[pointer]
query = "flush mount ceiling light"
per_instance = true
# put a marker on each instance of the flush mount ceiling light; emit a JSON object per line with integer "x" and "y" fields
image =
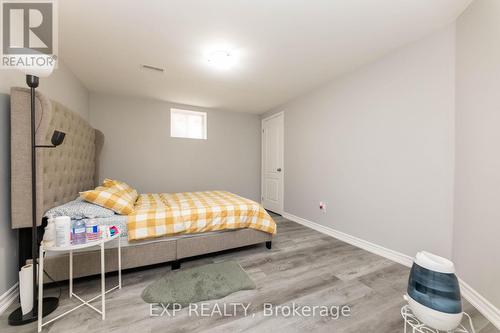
{"x": 221, "y": 59}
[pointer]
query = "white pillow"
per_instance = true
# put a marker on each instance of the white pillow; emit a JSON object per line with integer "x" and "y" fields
{"x": 79, "y": 209}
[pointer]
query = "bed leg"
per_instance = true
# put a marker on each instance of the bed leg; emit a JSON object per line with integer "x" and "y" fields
{"x": 269, "y": 244}
{"x": 176, "y": 265}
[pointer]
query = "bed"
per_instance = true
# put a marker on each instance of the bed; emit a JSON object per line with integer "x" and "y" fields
{"x": 66, "y": 171}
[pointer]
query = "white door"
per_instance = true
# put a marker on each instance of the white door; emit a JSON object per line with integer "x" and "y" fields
{"x": 272, "y": 163}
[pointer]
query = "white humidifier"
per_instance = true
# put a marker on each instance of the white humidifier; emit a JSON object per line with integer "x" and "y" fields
{"x": 434, "y": 292}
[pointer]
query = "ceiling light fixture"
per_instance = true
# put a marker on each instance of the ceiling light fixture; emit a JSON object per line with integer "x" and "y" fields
{"x": 221, "y": 59}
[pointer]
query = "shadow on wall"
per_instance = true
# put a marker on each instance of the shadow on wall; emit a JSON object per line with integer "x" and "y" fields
{"x": 8, "y": 237}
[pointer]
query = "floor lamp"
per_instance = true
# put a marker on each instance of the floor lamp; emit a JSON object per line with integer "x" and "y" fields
{"x": 49, "y": 303}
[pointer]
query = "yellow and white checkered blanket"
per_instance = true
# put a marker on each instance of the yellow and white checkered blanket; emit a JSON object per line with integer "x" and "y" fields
{"x": 163, "y": 214}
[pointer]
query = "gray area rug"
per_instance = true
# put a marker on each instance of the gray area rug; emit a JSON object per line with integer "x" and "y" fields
{"x": 203, "y": 283}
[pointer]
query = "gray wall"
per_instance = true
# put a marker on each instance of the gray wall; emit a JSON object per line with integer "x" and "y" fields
{"x": 377, "y": 146}
{"x": 138, "y": 148}
{"x": 62, "y": 86}
{"x": 477, "y": 196}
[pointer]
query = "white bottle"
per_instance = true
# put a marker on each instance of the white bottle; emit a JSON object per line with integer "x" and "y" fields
{"x": 63, "y": 230}
{"x": 49, "y": 236}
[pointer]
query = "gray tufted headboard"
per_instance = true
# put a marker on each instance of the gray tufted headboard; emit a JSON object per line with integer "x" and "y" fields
{"x": 63, "y": 171}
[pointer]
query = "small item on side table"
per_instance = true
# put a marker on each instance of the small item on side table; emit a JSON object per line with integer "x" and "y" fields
{"x": 79, "y": 232}
{"x": 113, "y": 230}
{"x": 108, "y": 231}
{"x": 49, "y": 236}
{"x": 92, "y": 229}
{"x": 102, "y": 231}
{"x": 63, "y": 230}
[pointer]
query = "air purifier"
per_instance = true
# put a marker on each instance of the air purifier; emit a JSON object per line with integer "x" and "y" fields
{"x": 434, "y": 292}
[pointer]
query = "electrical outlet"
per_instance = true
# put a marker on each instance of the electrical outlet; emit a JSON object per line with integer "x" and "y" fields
{"x": 322, "y": 206}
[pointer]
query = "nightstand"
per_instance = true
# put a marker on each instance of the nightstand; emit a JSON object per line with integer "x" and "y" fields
{"x": 100, "y": 243}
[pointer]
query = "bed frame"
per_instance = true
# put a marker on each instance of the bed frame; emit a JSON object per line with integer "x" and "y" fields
{"x": 73, "y": 167}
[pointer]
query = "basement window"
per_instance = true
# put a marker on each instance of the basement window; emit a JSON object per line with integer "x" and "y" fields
{"x": 188, "y": 124}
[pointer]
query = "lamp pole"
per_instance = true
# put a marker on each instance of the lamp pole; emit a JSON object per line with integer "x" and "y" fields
{"x": 32, "y": 82}
{"x": 17, "y": 318}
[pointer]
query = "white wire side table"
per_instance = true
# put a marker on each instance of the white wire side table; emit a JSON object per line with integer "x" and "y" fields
{"x": 103, "y": 293}
{"x": 413, "y": 325}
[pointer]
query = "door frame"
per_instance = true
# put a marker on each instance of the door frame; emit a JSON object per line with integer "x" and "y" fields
{"x": 263, "y": 120}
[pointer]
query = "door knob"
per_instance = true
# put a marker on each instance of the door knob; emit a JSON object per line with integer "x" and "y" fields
{"x": 279, "y": 170}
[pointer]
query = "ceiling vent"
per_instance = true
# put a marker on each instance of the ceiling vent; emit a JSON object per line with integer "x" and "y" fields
{"x": 153, "y": 68}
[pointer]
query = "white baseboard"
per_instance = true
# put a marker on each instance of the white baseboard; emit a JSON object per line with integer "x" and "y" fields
{"x": 9, "y": 297}
{"x": 398, "y": 257}
{"x": 488, "y": 310}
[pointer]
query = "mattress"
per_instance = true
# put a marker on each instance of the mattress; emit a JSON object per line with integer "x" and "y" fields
{"x": 160, "y": 214}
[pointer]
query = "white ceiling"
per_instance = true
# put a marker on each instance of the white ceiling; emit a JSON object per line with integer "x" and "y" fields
{"x": 285, "y": 47}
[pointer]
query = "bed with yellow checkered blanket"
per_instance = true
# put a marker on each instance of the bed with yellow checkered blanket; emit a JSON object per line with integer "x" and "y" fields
{"x": 166, "y": 214}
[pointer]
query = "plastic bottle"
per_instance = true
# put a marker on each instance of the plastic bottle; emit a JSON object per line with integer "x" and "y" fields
{"x": 78, "y": 232}
{"x": 92, "y": 229}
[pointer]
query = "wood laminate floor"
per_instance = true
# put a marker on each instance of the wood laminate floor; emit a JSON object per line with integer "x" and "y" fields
{"x": 304, "y": 267}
